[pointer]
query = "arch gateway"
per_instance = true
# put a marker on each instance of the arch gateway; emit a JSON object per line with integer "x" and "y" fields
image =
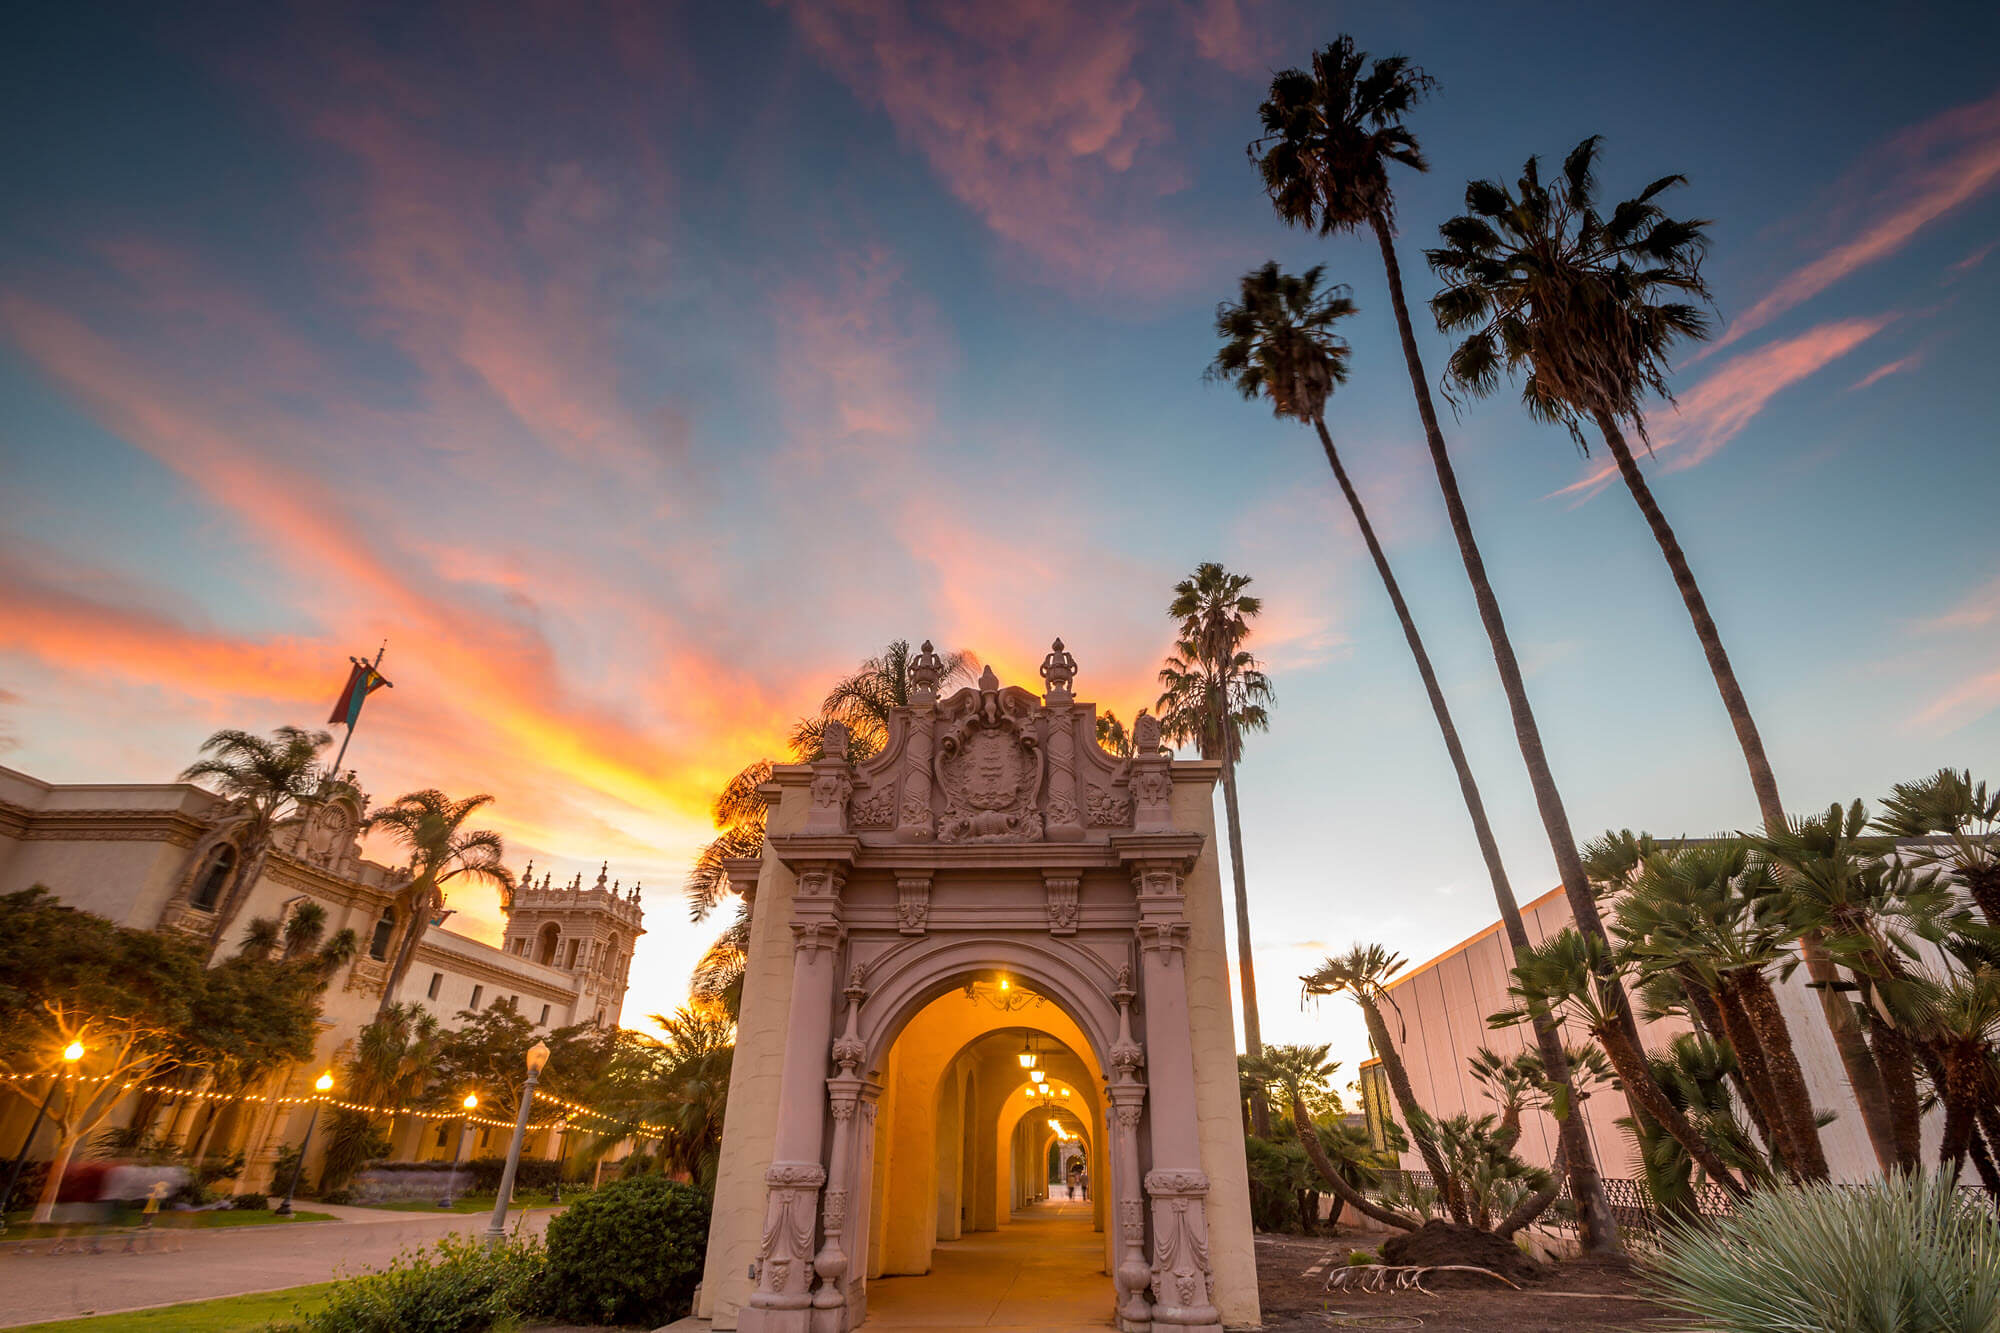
{"x": 991, "y": 915}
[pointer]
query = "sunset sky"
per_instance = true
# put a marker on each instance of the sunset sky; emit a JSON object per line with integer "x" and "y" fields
{"x": 636, "y": 369}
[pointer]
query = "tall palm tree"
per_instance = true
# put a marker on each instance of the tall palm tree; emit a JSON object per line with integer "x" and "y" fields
{"x": 1363, "y": 973}
{"x": 268, "y": 779}
{"x": 1212, "y": 691}
{"x": 432, "y": 827}
{"x": 1330, "y": 135}
{"x": 1279, "y": 342}
{"x": 1586, "y": 306}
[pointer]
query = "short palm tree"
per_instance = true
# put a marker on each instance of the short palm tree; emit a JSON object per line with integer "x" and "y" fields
{"x": 1330, "y": 135}
{"x": 1298, "y": 1074}
{"x": 864, "y": 699}
{"x": 267, "y": 779}
{"x": 1957, "y": 1016}
{"x": 1950, "y": 806}
{"x": 1572, "y": 974}
{"x": 431, "y": 826}
{"x": 1364, "y": 973}
{"x": 1212, "y": 690}
{"x": 1279, "y": 342}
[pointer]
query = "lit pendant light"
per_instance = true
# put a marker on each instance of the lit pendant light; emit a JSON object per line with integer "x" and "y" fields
{"x": 1027, "y": 1056}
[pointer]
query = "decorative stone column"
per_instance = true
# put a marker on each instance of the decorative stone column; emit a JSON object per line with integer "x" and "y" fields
{"x": 1064, "y": 811}
{"x": 844, "y": 1091}
{"x": 914, "y": 819}
{"x": 1126, "y": 1098}
{"x": 1176, "y": 1185}
{"x": 782, "y": 1302}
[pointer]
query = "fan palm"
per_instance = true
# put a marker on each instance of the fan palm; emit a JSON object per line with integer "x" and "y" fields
{"x": 1112, "y": 735}
{"x": 431, "y": 826}
{"x": 1586, "y": 305}
{"x": 1299, "y": 1073}
{"x": 1279, "y": 341}
{"x": 1364, "y": 972}
{"x": 1212, "y": 690}
{"x": 1572, "y": 974}
{"x": 1958, "y": 1017}
{"x": 1950, "y": 805}
{"x": 1717, "y": 918}
{"x": 1330, "y": 135}
{"x": 267, "y": 779}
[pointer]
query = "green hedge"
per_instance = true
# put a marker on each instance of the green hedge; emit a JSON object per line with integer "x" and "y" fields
{"x": 459, "y": 1286}
{"x": 629, "y": 1254}
{"x": 481, "y": 1175}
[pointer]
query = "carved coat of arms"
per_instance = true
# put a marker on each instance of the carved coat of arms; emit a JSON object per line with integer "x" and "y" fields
{"x": 989, "y": 766}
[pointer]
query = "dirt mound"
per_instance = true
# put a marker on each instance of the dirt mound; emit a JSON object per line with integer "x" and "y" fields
{"x": 1441, "y": 1242}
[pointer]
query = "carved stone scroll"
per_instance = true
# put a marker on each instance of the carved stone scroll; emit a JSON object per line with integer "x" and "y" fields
{"x": 913, "y": 903}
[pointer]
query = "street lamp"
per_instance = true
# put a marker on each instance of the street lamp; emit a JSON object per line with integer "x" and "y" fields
{"x": 538, "y": 1056}
{"x": 471, "y": 1103}
{"x": 320, "y": 1085}
{"x": 71, "y": 1054}
{"x": 562, "y": 1159}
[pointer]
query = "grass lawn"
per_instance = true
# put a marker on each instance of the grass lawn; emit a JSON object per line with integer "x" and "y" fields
{"x": 20, "y": 1228}
{"x": 219, "y": 1316}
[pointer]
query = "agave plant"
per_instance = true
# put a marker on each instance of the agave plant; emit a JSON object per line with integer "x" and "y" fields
{"x": 1902, "y": 1254}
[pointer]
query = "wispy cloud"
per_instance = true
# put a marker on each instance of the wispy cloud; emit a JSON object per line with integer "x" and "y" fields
{"x": 1888, "y": 368}
{"x": 1909, "y": 182}
{"x": 1033, "y": 116}
{"x": 1728, "y": 398}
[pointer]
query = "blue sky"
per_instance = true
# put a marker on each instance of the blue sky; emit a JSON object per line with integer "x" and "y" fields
{"x": 636, "y": 369}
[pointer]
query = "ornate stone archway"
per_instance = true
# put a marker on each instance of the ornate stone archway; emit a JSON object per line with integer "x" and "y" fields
{"x": 991, "y": 838}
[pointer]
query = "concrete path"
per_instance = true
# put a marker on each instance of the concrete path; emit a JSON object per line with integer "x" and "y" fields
{"x": 1041, "y": 1273}
{"x": 230, "y": 1261}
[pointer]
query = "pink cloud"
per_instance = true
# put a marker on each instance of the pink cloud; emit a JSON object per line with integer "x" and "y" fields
{"x": 1033, "y": 117}
{"x": 1980, "y": 607}
{"x": 1716, "y": 409}
{"x": 1932, "y": 168}
{"x": 1228, "y": 33}
{"x": 1888, "y": 368}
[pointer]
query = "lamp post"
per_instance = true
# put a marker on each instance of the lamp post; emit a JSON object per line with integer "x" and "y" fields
{"x": 496, "y": 1230}
{"x": 320, "y": 1085}
{"x": 71, "y": 1054}
{"x": 562, "y": 1159}
{"x": 471, "y": 1103}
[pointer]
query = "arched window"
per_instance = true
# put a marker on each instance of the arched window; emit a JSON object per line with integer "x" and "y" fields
{"x": 545, "y": 951}
{"x": 214, "y": 877}
{"x": 378, "y": 947}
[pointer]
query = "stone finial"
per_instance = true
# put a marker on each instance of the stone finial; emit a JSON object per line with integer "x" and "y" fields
{"x": 528, "y": 876}
{"x": 926, "y": 670}
{"x": 833, "y": 740}
{"x": 603, "y": 871}
{"x": 1058, "y": 671}
{"x": 1146, "y": 733}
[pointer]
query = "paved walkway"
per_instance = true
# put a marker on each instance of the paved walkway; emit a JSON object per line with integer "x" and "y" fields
{"x": 228, "y": 1261}
{"x": 1041, "y": 1273}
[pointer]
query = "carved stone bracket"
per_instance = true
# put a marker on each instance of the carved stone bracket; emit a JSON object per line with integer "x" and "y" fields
{"x": 913, "y": 903}
{"x": 1163, "y": 920}
{"x": 1062, "y": 892}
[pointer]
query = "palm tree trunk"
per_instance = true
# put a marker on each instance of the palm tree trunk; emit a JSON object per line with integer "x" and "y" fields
{"x": 1861, "y": 1071}
{"x": 1964, "y": 1075}
{"x": 1599, "y": 1230}
{"x": 1898, "y": 1063}
{"x": 1346, "y": 1193}
{"x": 1641, "y": 1086}
{"x": 1534, "y": 1205}
{"x": 406, "y": 951}
{"x": 1761, "y": 1100}
{"x": 1706, "y": 1016}
{"x": 1548, "y": 800}
{"x": 1253, "y": 1037}
{"x": 1415, "y": 1118}
{"x": 1788, "y": 1080}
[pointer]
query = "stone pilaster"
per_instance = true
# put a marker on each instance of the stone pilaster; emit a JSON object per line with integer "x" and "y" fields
{"x": 844, "y": 1093}
{"x": 1126, "y": 1097}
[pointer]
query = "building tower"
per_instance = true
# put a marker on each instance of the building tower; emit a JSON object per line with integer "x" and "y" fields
{"x": 587, "y": 932}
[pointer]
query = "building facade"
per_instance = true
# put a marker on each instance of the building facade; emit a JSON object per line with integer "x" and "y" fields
{"x": 172, "y": 857}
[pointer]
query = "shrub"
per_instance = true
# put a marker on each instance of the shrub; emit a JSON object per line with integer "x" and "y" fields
{"x": 1906, "y": 1253}
{"x": 629, "y": 1254}
{"x": 254, "y": 1202}
{"x": 460, "y": 1286}
{"x": 1362, "y": 1258}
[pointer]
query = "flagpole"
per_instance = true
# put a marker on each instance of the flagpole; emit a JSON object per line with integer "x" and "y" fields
{"x": 334, "y": 773}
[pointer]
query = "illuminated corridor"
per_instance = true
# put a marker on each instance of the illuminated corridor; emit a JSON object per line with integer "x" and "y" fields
{"x": 1040, "y": 1273}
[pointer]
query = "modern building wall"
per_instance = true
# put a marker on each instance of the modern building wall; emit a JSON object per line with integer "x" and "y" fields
{"x": 1437, "y": 1020}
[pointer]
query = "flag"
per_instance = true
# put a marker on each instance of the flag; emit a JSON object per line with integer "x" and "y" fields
{"x": 362, "y": 681}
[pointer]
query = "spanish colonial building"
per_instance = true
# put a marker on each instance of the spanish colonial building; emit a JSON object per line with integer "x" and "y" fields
{"x": 171, "y": 857}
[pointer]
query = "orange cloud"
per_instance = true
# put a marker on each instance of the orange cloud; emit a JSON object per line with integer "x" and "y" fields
{"x": 1033, "y": 117}
{"x": 1716, "y": 410}
{"x": 1934, "y": 167}
{"x": 1888, "y": 368}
